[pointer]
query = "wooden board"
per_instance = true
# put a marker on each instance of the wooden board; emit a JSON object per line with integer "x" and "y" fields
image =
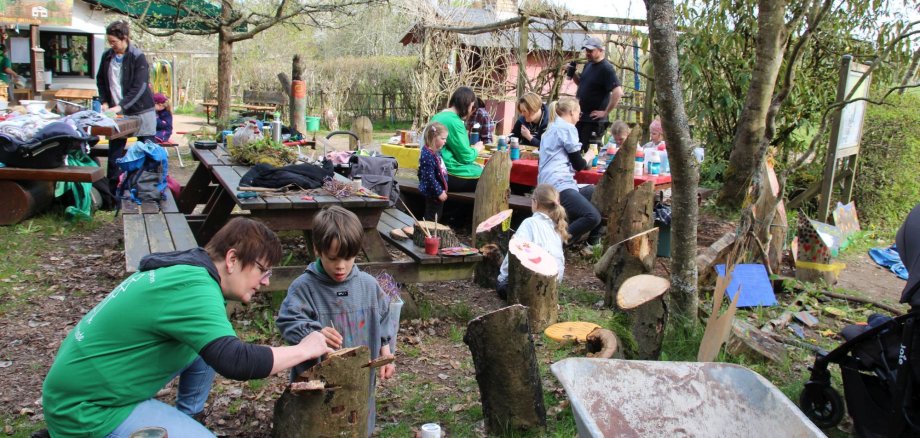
{"x": 63, "y": 173}
{"x": 570, "y": 330}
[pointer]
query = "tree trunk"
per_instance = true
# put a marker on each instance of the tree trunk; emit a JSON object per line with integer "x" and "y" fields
{"x": 522, "y": 51}
{"x": 635, "y": 256}
{"x": 684, "y": 167}
{"x": 492, "y": 237}
{"x": 911, "y": 71}
{"x": 338, "y": 404}
{"x": 363, "y": 127}
{"x": 298, "y": 96}
{"x": 506, "y": 370}
{"x": 532, "y": 274}
{"x": 447, "y": 236}
{"x": 224, "y": 73}
{"x": 615, "y": 185}
{"x": 492, "y": 191}
{"x": 745, "y": 158}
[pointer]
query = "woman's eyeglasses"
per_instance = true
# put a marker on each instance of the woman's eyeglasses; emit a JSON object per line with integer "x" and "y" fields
{"x": 266, "y": 273}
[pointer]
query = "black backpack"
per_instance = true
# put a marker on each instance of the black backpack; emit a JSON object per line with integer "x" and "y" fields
{"x": 377, "y": 174}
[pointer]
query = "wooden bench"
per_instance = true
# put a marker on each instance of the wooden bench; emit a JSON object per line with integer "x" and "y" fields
{"x": 24, "y": 192}
{"x": 254, "y": 103}
{"x": 154, "y": 227}
{"x": 515, "y": 202}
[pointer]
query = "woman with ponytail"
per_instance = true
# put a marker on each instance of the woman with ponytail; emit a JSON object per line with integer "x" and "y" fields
{"x": 547, "y": 228}
{"x": 560, "y": 158}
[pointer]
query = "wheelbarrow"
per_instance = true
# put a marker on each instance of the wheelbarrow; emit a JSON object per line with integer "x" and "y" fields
{"x": 625, "y": 398}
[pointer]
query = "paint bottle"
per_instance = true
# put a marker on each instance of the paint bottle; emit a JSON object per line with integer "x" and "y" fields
{"x": 654, "y": 164}
{"x": 639, "y": 169}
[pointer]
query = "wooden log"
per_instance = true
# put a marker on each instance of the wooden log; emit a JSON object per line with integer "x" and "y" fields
{"x": 298, "y": 95}
{"x": 616, "y": 184}
{"x": 634, "y": 256}
{"x": 340, "y": 408}
{"x": 713, "y": 255}
{"x": 747, "y": 340}
{"x": 493, "y": 189}
{"x": 495, "y": 230}
{"x": 363, "y": 127}
{"x": 24, "y": 199}
{"x": 532, "y": 273}
{"x": 509, "y": 381}
{"x": 486, "y": 271}
{"x": 603, "y": 344}
{"x": 642, "y": 298}
{"x": 448, "y": 238}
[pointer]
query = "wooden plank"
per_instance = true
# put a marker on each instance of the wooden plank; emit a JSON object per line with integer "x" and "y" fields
{"x": 180, "y": 231}
{"x": 168, "y": 205}
{"x": 158, "y": 233}
{"x": 148, "y": 207}
{"x": 403, "y": 271}
{"x": 126, "y": 128}
{"x": 196, "y": 191}
{"x": 136, "y": 245}
{"x": 130, "y": 207}
{"x": 230, "y": 180}
{"x": 63, "y": 173}
{"x": 374, "y": 248}
{"x": 516, "y": 202}
{"x": 277, "y": 202}
{"x": 298, "y": 202}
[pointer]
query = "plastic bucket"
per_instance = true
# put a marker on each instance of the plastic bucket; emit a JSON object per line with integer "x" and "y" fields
{"x": 312, "y": 123}
{"x": 395, "y": 309}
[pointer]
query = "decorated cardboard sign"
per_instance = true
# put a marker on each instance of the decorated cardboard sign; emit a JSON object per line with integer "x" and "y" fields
{"x": 503, "y": 217}
{"x": 818, "y": 242}
{"x": 846, "y": 220}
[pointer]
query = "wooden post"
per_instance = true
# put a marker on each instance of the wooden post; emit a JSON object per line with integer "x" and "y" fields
{"x": 329, "y": 399}
{"x": 642, "y": 298}
{"x": 298, "y": 96}
{"x": 522, "y": 51}
{"x": 634, "y": 256}
{"x": 493, "y": 189}
{"x": 532, "y": 273}
{"x": 506, "y": 369}
{"x": 492, "y": 235}
{"x": 363, "y": 127}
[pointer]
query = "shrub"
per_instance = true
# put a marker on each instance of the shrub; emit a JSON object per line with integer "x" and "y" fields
{"x": 886, "y": 185}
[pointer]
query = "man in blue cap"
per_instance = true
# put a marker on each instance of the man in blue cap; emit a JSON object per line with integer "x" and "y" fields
{"x": 599, "y": 91}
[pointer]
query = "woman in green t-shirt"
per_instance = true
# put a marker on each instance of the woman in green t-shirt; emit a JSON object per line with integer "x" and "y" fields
{"x": 459, "y": 156}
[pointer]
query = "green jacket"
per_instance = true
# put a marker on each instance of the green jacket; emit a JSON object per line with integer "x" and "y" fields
{"x": 459, "y": 157}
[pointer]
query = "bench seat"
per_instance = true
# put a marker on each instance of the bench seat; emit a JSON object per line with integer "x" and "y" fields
{"x": 393, "y": 218}
{"x": 25, "y": 192}
{"x": 515, "y": 202}
{"x": 154, "y": 227}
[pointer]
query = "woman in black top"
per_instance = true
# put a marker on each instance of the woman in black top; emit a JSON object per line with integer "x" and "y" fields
{"x": 529, "y": 128}
{"x": 123, "y": 85}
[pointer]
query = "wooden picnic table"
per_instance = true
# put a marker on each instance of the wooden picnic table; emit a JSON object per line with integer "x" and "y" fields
{"x": 24, "y": 192}
{"x": 279, "y": 212}
{"x": 208, "y": 106}
{"x": 126, "y": 128}
{"x": 524, "y": 172}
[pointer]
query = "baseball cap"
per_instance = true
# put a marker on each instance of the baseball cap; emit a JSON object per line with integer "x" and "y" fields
{"x": 593, "y": 43}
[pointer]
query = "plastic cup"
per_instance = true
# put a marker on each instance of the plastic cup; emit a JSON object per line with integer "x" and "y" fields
{"x": 431, "y": 430}
{"x": 474, "y": 137}
{"x": 432, "y": 244}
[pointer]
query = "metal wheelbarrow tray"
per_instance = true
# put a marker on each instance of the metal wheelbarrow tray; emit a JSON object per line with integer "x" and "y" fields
{"x": 624, "y": 398}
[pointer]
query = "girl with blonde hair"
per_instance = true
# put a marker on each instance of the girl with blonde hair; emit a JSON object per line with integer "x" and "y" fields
{"x": 560, "y": 158}
{"x": 547, "y": 228}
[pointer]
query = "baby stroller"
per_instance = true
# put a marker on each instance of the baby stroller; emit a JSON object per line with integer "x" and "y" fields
{"x": 879, "y": 363}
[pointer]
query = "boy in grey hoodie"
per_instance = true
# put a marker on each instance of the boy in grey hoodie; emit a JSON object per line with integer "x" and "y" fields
{"x": 337, "y": 299}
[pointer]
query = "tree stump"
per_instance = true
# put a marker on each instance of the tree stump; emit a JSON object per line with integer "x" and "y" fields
{"x": 616, "y": 184}
{"x": 329, "y": 399}
{"x": 532, "y": 273}
{"x": 24, "y": 199}
{"x": 492, "y": 235}
{"x": 637, "y": 255}
{"x": 493, "y": 189}
{"x": 485, "y": 274}
{"x": 448, "y": 238}
{"x": 642, "y": 298}
{"x": 603, "y": 344}
{"x": 363, "y": 127}
{"x": 506, "y": 370}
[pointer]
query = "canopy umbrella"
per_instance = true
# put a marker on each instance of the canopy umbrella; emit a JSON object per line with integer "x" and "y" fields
{"x": 181, "y": 14}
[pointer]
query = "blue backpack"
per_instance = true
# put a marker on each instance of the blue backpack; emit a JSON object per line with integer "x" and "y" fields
{"x": 145, "y": 166}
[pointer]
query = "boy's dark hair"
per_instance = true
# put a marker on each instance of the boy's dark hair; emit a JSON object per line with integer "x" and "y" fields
{"x": 461, "y": 100}
{"x": 336, "y": 224}
{"x": 118, "y": 29}
{"x": 251, "y": 239}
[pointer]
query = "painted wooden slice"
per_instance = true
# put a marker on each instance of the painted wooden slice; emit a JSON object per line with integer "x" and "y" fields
{"x": 493, "y": 221}
{"x": 570, "y": 330}
{"x": 534, "y": 257}
{"x": 398, "y": 234}
{"x": 458, "y": 251}
{"x": 640, "y": 289}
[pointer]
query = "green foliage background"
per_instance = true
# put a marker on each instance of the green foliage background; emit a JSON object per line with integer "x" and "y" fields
{"x": 887, "y": 186}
